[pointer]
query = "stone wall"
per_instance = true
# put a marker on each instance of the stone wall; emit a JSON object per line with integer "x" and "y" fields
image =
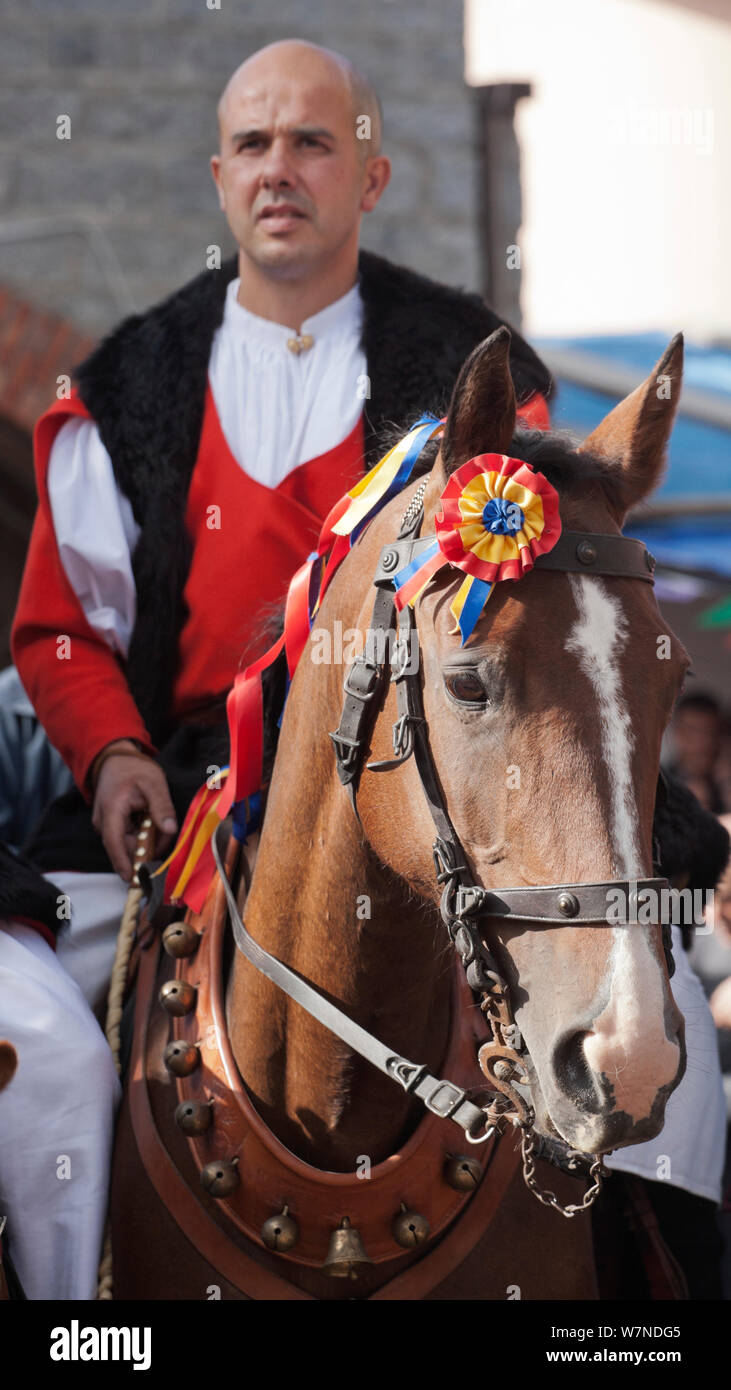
{"x": 118, "y": 215}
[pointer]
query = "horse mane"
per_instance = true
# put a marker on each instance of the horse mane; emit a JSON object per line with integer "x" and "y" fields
{"x": 551, "y": 452}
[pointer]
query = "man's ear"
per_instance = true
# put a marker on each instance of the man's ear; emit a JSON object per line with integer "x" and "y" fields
{"x": 634, "y": 436}
{"x": 216, "y": 172}
{"x": 379, "y": 177}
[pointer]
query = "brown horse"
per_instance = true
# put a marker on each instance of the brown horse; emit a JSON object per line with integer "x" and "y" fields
{"x": 545, "y": 732}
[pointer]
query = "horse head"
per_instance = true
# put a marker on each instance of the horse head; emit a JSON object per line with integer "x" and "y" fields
{"x": 545, "y": 730}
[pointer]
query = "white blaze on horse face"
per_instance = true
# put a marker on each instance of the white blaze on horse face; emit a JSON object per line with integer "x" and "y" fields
{"x": 631, "y": 1027}
{"x": 597, "y": 638}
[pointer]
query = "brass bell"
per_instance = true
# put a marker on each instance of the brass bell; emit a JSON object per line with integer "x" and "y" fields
{"x": 180, "y": 939}
{"x": 280, "y": 1232}
{"x": 177, "y": 997}
{"x": 410, "y": 1229}
{"x": 181, "y": 1058}
{"x": 194, "y": 1116}
{"x": 346, "y": 1257}
{"x": 462, "y": 1173}
{"x": 220, "y": 1177}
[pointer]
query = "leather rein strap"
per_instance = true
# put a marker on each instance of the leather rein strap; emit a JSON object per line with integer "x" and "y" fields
{"x": 444, "y": 1099}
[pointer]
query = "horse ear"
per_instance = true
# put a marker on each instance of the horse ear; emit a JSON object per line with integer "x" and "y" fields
{"x": 634, "y": 436}
{"x": 481, "y": 416}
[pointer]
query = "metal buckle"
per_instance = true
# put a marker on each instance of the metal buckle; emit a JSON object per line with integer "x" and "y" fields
{"x": 468, "y": 902}
{"x": 362, "y": 663}
{"x": 453, "y": 1098}
{"x": 401, "y": 657}
{"x": 445, "y": 864}
{"x": 346, "y": 749}
{"x": 403, "y": 734}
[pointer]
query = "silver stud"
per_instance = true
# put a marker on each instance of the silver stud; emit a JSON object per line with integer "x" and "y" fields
{"x": 586, "y": 552}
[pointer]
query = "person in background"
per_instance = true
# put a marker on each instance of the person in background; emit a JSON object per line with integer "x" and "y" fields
{"x": 696, "y": 743}
{"x": 32, "y": 771}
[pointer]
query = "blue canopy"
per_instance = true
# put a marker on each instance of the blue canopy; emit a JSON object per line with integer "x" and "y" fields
{"x": 699, "y": 455}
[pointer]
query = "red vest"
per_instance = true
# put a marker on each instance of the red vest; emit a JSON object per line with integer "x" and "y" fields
{"x": 244, "y": 555}
{"x": 248, "y": 540}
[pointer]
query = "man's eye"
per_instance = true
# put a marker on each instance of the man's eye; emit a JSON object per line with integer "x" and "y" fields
{"x": 466, "y": 687}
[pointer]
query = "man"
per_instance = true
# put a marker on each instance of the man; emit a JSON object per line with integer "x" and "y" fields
{"x": 696, "y": 743}
{"x": 179, "y": 489}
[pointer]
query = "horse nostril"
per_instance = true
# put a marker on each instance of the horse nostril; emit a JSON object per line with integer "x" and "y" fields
{"x": 573, "y": 1073}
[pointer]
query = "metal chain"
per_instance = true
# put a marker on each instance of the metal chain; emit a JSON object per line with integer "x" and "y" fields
{"x": 501, "y": 1058}
{"x": 414, "y": 506}
{"x": 549, "y": 1199}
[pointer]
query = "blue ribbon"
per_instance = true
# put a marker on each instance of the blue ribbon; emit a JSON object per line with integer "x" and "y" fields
{"x": 415, "y": 564}
{"x": 479, "y": 593}
{"x": 502, "y": 517}
{"x": 247, "y": 816}
{"x": 405, "y": 469}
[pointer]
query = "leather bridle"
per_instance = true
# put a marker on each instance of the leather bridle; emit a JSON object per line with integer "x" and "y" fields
{"x": 464, "y": 903}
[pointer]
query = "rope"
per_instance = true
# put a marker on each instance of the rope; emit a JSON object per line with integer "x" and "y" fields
{"x": 115, "y": 1006}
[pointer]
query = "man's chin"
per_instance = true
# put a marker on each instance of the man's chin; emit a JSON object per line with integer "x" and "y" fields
{"x": 281, "y": 253}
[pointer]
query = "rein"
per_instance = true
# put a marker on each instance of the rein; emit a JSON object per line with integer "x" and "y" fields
{"x": 464, "y": 903}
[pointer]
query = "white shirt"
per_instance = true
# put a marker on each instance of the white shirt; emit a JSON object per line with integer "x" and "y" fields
{"x": 690, "y": 1148}
{"x": 277, "y": 410}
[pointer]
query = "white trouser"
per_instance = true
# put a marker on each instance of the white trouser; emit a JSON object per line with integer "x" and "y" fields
{"x": 689, "y": 1150}
{"x": 57, "y": 1114}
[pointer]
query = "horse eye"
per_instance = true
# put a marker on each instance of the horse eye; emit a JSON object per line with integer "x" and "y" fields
{"x": 466, "y": 687}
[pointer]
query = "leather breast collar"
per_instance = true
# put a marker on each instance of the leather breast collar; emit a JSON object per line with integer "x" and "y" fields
{"x": 250, "y": 1177}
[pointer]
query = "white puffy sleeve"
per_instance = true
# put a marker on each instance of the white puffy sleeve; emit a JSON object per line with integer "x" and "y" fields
{"x": 95, "y": 530}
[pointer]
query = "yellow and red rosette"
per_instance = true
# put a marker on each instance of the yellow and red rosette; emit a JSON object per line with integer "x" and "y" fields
{"x": 495, "y": 516}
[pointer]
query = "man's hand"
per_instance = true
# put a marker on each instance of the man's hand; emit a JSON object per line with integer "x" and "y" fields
{"x": 129, "y": 785}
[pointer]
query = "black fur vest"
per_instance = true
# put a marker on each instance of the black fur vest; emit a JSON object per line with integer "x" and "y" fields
{"x": 145, "y": 387}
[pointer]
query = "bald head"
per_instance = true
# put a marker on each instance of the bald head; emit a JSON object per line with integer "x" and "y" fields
{"x": 303, "y": 60}
{"x": 299, "y": 164}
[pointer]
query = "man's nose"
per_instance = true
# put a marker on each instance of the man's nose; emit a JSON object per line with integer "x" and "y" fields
{"x": 277, "y": 167}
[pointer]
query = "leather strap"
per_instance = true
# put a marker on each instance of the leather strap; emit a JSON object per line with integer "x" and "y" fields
{"x": 560, "y": 904}
{"x": 585, "y": 552}
{"x": 363, "y": 682}
{"x": 581, "y": 552}
{"x": 443, "y": 1098}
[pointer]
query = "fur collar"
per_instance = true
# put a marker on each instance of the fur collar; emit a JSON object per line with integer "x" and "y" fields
{"x": 145, "y": 387}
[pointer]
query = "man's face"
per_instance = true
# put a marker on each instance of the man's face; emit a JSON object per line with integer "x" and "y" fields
{"x": 290, "y": 175}
{"x": 696, "y": 736}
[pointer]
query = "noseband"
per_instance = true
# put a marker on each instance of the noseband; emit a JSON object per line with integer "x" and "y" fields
{"x": 464, "y": 903}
